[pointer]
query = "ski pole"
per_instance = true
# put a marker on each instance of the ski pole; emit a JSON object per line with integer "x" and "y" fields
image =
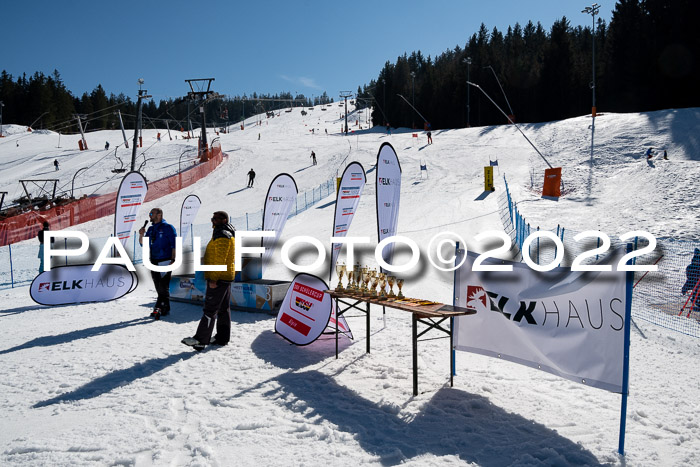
{"x": 690, "y": 296}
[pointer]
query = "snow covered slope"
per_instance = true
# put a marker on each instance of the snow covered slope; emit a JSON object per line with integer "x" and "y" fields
{"x": 101, "y": 384}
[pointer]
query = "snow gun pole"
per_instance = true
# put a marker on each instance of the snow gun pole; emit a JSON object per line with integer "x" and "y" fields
{"x": 413, "y": 108}
{"x": 511, "y": 121}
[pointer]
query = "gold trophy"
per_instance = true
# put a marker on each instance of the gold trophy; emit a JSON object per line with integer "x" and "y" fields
{"x": 382, "y": 286}
{"x": 366, "y": 277}
{"x": 390, "y": 280}
{"x": 340, "y": 269}
{"x": 351, "y": 276}
{"x": 375, "y": 282}
{"x": 363, "y": 274}
{"x": 399, "y": 284}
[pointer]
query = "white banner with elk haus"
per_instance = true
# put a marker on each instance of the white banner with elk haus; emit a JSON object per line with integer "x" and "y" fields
{"x": 570, "y": 324}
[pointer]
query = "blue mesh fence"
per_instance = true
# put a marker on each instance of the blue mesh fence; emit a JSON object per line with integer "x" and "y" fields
{"x": 669, "y": 297}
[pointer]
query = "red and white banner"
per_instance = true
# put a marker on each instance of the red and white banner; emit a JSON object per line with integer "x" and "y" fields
{"x": 348, "y": 197}
{"x": 188, "y": 212}
{"x": 65, "y": 285}
{"x": 281, "y": 196}
{"x": 131, "y": 194}
{"x": 305, "y": 311}
{"x": 571, "y": 324}
{"x": 388, "y": 196}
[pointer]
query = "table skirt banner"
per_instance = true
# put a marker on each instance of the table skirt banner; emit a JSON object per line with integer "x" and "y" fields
{"x": 570, "y": 324}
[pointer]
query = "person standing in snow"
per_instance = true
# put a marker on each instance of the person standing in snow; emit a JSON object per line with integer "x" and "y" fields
{"x": 161, "y": 240}
{"x": 251, "y": 178}
{"x": 55, "y": 164}
{"x": 217, "y": 300}
{"x": 106, "y": 145}
{"x": 665, "y": 155}
{"x": 650, "y": 153}
{"x": 313, "y": 158}
{"x": 40, "y": 236}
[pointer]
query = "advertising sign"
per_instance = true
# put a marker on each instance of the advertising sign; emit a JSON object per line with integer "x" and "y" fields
{"x": 281, "y": 196}
{"x": 305, "y": 310}
{"x": 131, "y": 194}
{"x": 65, "y": 285}
{"x": 388, "y": 196}
{"x": 348, "y": 197}
{"x": 571, "y": 324}
{"x": 188, "y": 212}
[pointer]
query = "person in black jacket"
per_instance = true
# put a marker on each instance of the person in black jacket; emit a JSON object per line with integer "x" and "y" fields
{"x": 251, "y": 178}
{"x": 40, "y": 236}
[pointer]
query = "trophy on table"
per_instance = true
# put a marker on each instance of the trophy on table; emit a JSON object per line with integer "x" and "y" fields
{"x": 375, "y": 282}
{"x": 351, "y": 276}
{"x": 382, "y": 286}
{"x": 399, "y": 283}
{"x": 340, "y": 269}
{"x": 390, "y": 280}
{"x": 366, "y": 277}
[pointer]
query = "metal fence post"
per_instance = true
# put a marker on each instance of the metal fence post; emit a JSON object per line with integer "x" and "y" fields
{"x": 246, "y": 221}
{"x": 538, "y": 246}
{"x": 65, "y": 245}
{"x": 12, "y": 275}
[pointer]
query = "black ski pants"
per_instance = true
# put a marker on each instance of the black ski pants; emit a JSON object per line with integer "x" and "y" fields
{"x": 217, "y": 311}
{"x": 162, "y": 285}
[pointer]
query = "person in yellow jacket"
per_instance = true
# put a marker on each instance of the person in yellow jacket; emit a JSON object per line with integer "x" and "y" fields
{"x": 217, "y": 309}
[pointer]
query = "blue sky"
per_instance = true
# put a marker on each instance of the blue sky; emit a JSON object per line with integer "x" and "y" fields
{"x": 254, "y": 46}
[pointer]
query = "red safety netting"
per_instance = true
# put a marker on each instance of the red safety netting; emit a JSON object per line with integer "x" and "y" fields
{"x": 26, "y": 225}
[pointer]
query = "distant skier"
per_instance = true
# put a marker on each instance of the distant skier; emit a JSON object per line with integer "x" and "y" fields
{"x": 55, "y": 164}
{"x": 251, "y": 178}
{"x": 313, "y": 158}
{"x": 106, "y": 145}
{"x": 650, "y": 153}
{"x": 665, "y": 155}
{"x": 430, "y": 137}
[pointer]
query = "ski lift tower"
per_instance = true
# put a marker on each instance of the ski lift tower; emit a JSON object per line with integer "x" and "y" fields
{"x": 202, "y": 93}
{"x": 143, "y": 94}
{"x": 345, "y": 95}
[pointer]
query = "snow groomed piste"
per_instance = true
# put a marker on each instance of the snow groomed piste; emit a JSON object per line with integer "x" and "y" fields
{"x": 368, "y": 392}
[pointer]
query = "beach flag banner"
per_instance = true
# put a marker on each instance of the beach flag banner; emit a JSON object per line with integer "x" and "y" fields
{"x": 348, "y": 197}
{"x": 130, "y": 197}
{"x": 188, "y": 212}
{"x": 388, "y": 196}
{"x": 281, "y": 196}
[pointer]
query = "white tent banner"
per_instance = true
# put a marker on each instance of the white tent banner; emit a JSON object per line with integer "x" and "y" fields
{"x": 130, "y": 197}
{"x": 190, "y": 208}
{"x": 65, "y": 285}
{"x": 388, "y": 196}
{"x": 348, "y": 197}
{"x": 305, "y": 310}
{"x": 571, "y": 324}
{"x": 281, "y": 196}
